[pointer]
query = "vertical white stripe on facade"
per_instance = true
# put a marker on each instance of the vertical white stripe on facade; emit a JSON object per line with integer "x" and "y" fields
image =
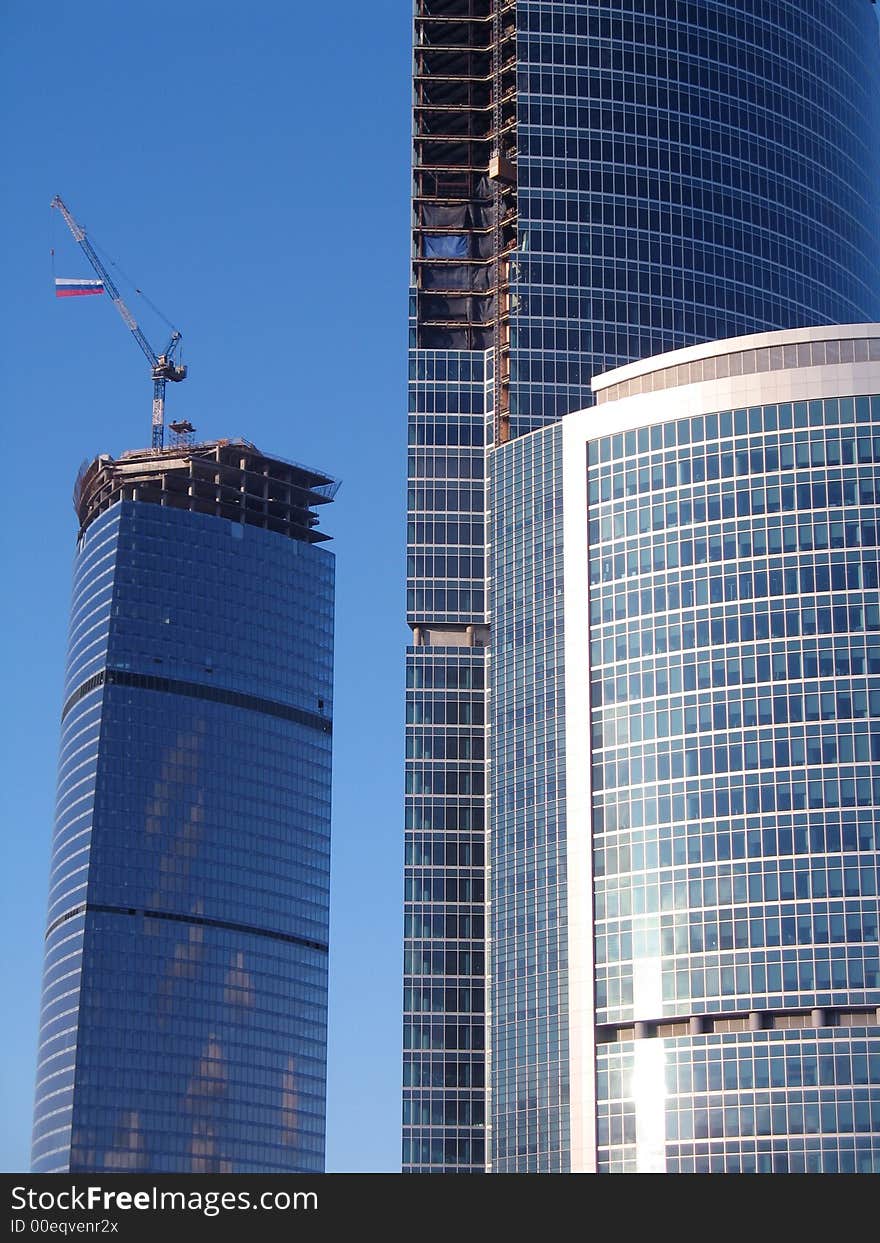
{"x": 578, "y": 795}
{"x": 649, "y": 1096}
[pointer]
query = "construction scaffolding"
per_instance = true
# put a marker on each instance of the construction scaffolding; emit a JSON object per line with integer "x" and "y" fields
{"x": 464, "y": 196}
{"x": 226, "y": 478}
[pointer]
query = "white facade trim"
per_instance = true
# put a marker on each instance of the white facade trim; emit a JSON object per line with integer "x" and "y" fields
{"x": 733, "y": 345}
{"x": 732, "y": 393}
{"x": 578, "y": 796}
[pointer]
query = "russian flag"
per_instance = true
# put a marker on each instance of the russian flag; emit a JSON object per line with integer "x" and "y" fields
{"x": 65, "y": 288}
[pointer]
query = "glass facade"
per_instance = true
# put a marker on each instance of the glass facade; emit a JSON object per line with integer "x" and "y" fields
{"x": 445, "y": 922}
{"x": 594, "y": 184}
{"x": 685, "y": 832}
{"x": 735, "y": 692}
{"x": 527, "y": 854}
{"x": 444, "y": 1036}
{"x": 780, "y": 1102}
{"x": 687, "y": 172}
{"x": 184, "y": 1010}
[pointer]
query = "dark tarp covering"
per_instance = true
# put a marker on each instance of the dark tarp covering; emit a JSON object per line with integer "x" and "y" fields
{"x": 484, "y": 277}
{"x": 483, "y": 205}
{"x": 479, "y": 310}
{"x": 434, "y": 306}
{"x": 479, "y": 277}
{"x": 449, "y": 276}
{"x": 482, "y": 338}
{"x": 444, "y": 215}
{"x": 444, "y": 339}
{"x": 443, "y": 8}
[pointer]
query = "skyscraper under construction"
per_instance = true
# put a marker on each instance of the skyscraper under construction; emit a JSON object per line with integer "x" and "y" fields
{"x": 593, "y": 184}
{"x": 184, "y": 1012}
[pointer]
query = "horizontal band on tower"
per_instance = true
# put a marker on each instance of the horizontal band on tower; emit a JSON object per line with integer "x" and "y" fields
{"x": 197, "y": 690}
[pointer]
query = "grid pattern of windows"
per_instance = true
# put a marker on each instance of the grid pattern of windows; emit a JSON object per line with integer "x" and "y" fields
{"x": 444, "y": 1061}
{"x": 185, "y": 985}
{"x": 780, "y": 1102}
{"x": 444, "y": 922}
{"x": 687, "y": 172}
{"x": 682, "y": 172}
{"x": 529, "y": 927}
{"x": 446, "y": 571}
{"x": 735, "y": 691}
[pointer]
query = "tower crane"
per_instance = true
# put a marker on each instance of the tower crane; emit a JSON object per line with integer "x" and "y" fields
{"x": 162, "y": 366}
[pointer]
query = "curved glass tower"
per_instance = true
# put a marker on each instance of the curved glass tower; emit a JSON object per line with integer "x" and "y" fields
{"x": 686, "y": 767}
{"x": 183, "y": 1023}
{"x": 592, "y": 184}
{"x": 687, "y": 172}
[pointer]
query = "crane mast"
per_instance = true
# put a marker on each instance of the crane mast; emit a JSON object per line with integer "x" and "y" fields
{"x": 162, "y": 366}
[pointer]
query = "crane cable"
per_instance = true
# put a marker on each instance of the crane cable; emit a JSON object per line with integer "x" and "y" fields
{"x": 109, "y": 259}
{"x": 112, "y": 262}
{"x": 52, "y": 243}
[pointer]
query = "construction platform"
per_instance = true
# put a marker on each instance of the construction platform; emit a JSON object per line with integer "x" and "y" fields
{"x": 226, "y": 478}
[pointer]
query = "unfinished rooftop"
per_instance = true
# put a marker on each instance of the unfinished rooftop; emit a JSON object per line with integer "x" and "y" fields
{"x": 226, "y": 478}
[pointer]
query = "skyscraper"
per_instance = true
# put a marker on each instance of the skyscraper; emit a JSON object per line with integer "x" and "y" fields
{"x": 688, "y": 573}
{"x": 592, "y": 184}
{"x": 184, "y": 1008}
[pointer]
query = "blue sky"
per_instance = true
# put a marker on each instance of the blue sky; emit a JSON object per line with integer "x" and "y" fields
{"x": 247, "y": 165}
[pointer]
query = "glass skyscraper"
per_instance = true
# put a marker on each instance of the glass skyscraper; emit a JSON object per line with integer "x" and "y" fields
{"x": 184, "y": 1009}
{"x": 685, "y": 787}
{"x": 592, "y": 184}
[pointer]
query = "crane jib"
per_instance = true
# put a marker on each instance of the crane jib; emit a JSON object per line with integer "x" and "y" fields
{"x": 162, "y": 365}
